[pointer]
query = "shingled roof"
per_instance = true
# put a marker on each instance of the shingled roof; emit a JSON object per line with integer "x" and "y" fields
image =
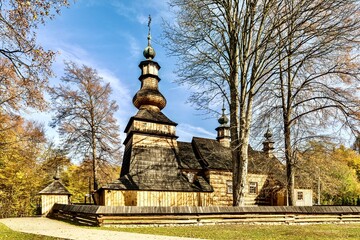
{"x": 186, "y": 156}
{"x": 156, "y": 169}
{"x": 55, "y": 188}
{"x": 203, "y": 153}
{"x": 178, "y": 183}
{"x": 150, "y": 116}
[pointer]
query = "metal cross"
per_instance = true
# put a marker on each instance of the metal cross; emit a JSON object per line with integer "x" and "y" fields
{"x": 149, "y": 23}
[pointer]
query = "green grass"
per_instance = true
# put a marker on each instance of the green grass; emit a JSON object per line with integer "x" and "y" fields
{"x": 268, "y": 232}
{"x": 301, "y": 232}
{"x": 8, "y": 234}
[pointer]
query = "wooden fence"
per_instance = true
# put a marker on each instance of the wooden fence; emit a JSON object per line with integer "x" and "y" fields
{"x": 130, "y": 215}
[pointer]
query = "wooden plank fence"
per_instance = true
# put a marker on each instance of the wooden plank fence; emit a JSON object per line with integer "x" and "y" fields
{"x": 131, "y": 215}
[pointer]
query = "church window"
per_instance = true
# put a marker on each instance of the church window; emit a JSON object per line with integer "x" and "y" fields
{"x": 300, "y": 195}
{"x": 190, "y": 176}
{"x": 229, "y": 187}
{"x": 253, "y": 187}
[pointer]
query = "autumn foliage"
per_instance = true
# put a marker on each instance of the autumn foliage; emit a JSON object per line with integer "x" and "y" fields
{"x": 337, "y": 168}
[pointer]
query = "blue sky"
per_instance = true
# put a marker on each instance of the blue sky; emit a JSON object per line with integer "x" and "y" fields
{"x": 110, "y": 35}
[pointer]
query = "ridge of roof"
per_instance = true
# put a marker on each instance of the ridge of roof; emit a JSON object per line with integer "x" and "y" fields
{"x": 56, "y": 188}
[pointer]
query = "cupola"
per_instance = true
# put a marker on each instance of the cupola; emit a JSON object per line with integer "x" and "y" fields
{"x": 223, "y": 131}
{"x": 149, "y": 96}
{"x": 268, "y": 144}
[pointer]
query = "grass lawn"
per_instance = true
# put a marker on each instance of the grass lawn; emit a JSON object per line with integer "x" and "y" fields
{"x": 8, "y": 234}
{"x": 301, "y": 232}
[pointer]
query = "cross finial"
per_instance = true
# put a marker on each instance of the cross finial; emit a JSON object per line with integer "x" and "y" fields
{"x": 149, "y": 23}
{"x": 149, "y": 34}
{"x": 56, "y": 177}
{"x": 223, "y": 106}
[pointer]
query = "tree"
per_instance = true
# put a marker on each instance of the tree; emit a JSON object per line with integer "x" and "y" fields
{"x": 315, "y": 86}
{"x": 333, "y": 167}
{"x": 24, "y": 65}
{"x": 228, "y": 49}
{"x": 19, "y": 169}
{"x": 53, "y": 162}
{"x": 234, "y": 48}
{"x": 85, "y": 117}
{"x": 350, "y": 157}
{"x": 77, "y": 178}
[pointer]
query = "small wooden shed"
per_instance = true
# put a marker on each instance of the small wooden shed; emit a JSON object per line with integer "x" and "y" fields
{"x": 55, "y": 192}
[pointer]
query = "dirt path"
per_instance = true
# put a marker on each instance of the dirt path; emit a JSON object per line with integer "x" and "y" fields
{"x": 49, "y": 227}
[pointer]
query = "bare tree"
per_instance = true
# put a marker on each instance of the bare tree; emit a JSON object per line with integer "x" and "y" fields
{"x": 233, "y": 48}
{"x": 226, "y": 48}
{"x": 24, "y": 65}
{"x": 314, "y": 90}
{"x": 85, "y": 116}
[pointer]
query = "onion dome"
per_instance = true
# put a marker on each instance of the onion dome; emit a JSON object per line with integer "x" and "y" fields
{"x": 149, "y": 52}
{"x": 149, "y": 98}
{"x": 223, "y": 120}
{"x": 268, "y": 135}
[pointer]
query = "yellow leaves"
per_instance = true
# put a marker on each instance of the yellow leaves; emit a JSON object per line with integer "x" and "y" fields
{"x": 19, "y": 176}
{"x": 336, "y": 166}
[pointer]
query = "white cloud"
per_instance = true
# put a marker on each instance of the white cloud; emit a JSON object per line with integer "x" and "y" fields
{"x": 140, "y": 10}
{"x": 187, "y": 131}
{"x": 135, "y": 50}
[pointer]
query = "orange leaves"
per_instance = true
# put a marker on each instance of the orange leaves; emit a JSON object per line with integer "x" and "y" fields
{"x": 30, "y": 63}
{"x": 18, "y": 92}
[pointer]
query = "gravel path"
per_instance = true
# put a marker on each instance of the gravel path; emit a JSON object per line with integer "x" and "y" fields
{"x": 50, "y": 227}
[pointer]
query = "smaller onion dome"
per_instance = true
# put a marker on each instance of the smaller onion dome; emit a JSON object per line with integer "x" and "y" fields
{"x": 149, "y": 52}
{"x": 268, "y": 134}
{"x": 223, "y": 120}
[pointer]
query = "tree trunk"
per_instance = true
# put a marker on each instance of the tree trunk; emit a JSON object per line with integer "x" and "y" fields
{"x": 235, "y": 144}
{"x": 290, "y": 174}
{"x": 93, "y": 147}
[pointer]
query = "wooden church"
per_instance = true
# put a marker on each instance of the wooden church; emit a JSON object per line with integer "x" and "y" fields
{"x": 158, "y": 170}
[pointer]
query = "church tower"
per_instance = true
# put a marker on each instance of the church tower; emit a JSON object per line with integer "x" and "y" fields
{"x": 223, "y": 131}
{"x": 268, "y": 144}
{"x": 150, "y": 160}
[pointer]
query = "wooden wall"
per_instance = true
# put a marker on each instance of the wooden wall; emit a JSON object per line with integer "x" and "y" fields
{"x": 156, "y": 198}
{"x": 218, "y": 180}
{"x": 307, "y": 199}
{"x": 47, "y": 202}
{"x": 253, "y": 199}
{"x": 222, "y": 197}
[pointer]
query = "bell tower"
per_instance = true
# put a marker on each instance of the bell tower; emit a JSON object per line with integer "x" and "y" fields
{"x": 268, "y": 144}
{"x": 150, "y": 160}
{"x": 223, "y": 131}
